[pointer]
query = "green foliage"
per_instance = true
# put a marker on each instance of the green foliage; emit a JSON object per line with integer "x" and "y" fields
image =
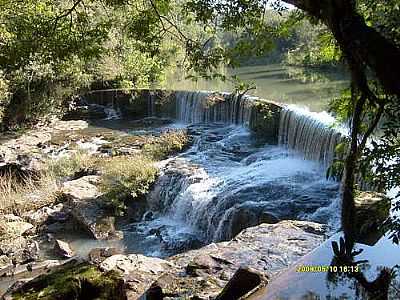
{"x": 73, "y": 281}
{"x": 51, "y": 50}
{"x": 341, "y": 106}
{"x": 168, "y": 143}
{"x": 313, "y": 45}
{"x": 125, "y": 178}
{"x": 68, "y": 166}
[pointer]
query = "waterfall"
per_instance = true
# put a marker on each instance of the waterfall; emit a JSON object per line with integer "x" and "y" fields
{"x": 311, "y": 134}
{"x": 151, "y": 105}
{"x": 225, "y": 183}
{"x": 112, "y": 113}
{"x": 208, "y": 107}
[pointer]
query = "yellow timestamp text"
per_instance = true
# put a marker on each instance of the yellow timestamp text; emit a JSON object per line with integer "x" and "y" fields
{"x": 324, "y": 269}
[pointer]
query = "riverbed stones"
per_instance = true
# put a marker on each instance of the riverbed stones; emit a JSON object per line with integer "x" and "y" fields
{"x": 254, "y": 255}
{"x": 87, "y": 207}
{"x": 98, "y": 255}
{"x": 63, "y": 249}
{"x": 47, "y": 214}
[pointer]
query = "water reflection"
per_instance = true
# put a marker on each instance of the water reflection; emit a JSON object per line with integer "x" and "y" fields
{"x": 292, "y": 85}
{"x": 345, "y": 269}
{"x": 377, "y": 277}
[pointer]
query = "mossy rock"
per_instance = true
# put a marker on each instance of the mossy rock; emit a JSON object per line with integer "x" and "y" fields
{"x": 372, "y": 209}
{"x": 264, "y": 121}
{"x": 74, "y": 281}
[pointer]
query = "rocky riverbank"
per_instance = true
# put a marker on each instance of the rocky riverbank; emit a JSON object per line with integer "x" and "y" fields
{"x": 250, "y": 260}
{"x": 65, "y": 178}
{"x": 71, "y": 179}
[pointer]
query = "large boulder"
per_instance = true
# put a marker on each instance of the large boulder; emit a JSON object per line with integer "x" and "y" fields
{"x": 265, "y": 250}
{"x": 87, "y": 207}
{"x": 139, "y": 271}
{"x": 63, "y": 249}
{"x": 73, "y": 280}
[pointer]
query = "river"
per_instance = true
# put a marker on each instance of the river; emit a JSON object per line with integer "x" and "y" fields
{"x": 305, "y": 87}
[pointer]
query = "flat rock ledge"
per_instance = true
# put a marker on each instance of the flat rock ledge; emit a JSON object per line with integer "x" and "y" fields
{"x": 87, "y": 208}
{"x": 215, "y": 271}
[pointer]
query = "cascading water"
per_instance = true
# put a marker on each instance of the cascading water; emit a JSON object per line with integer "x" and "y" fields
{"x": 310, "y": 134}
{"x": 225, "y": 183}
{"x": 112, "y": 113}
{"x": 207, "y": 107}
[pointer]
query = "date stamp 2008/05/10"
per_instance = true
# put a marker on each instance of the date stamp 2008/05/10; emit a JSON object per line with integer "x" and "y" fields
{"x": 322, "y": 269}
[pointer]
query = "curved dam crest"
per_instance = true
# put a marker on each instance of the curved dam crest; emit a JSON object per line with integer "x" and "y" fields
{"x": 252, "y": 161}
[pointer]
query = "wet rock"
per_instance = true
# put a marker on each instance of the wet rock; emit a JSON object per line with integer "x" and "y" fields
{"x": 372, "y": 209}
{"x": 245, "y": 215}
{"x": 244, "y": 281}
{"x": 86, "y": 112}
{"x": 178, "y": 173}
{"x": 268, "y": 248}
{"x": 148, "y": 216}
{"x": 87, "y": 208}
{"x": 98, "y": 255}
{"x": 63, "y": 249}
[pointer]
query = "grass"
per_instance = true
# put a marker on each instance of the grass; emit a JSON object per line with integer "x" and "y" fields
{"x": 125, "y": 178}
{"x": 69, "y": 166}
{"x": 17, "y": 197}
{"x": 167, "y": 144}
{"x": 73, "y": 281}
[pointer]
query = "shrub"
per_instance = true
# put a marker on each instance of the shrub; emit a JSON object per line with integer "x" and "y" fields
{"x": 168, "y": 143}
{"x": 17, "y": 197}
{"x": 72, "y": 165}
{"x": 126, "y": 177}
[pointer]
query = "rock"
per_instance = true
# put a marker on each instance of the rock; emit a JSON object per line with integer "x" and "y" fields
{"x": 245, "y": 215}
{"x": 63, "y": 249}
{"x": 57, "y": 213}
{"x": 82, "y": 188}
{"x": 87, "y": 209}
{"x": 135, "y": 263}
{"x": 87, "y": 112}
{"x": 372, "y": 209}
{"x": 98, "y": 255}
{"x": 244, "y": 281}
{"x": 73, "y": 280}
{"x": 20, "y": 250}
{"x": 6, "y": 265}
{"x": 139, "y": 271}
{"x": 265, "y": 250}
